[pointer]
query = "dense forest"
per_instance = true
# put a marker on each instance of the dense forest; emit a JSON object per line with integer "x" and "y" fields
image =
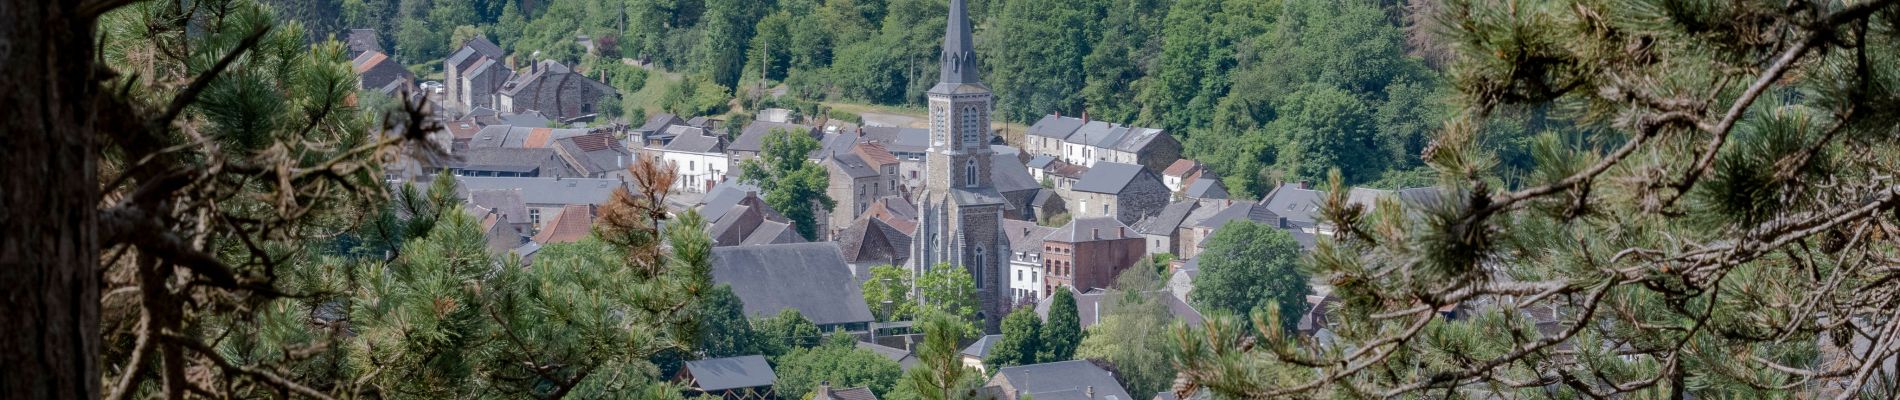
{"x": 1264, "y": 91}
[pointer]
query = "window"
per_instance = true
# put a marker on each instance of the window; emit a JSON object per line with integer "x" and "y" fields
{"x": 1019, "y": 274}
{"x": 1104, "y": 209}
{"x": 977, "y": 272}
{"x": 692, "y": 165}
{"x": 534, "y": 216}
{"x": 969, "y": 172}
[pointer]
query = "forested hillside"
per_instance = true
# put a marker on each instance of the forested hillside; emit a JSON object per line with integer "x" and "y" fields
{"x": 1265, "y": 91}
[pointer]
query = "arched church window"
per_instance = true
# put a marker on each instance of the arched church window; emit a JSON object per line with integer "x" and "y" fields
{"x": 969, "y": 172}
{"x": 977, "y": 272}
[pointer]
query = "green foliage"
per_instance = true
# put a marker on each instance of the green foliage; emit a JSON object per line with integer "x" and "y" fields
{"x": 1063, "y": 332}
{"x": 724, "y": 330}
{"x": 1133, "y": 335}
{"x": 696, "y": 96}
{"x": 940, "y": 373}
{"x": 947, "y": 290}
{"x": 887, "y": 293}
{"x": 783, "y": 333}
{"x": 1248, "y": 267}
{"x": 1022, "y": 339}
{"x": 838, "y": 361}
{"x": 793, "y": 184}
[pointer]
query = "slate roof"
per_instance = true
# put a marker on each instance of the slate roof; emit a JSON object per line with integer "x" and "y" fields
{"x": 898, "y": 140}
{"x": 1108, "y": 177}
{"x": 958, "y": 60}
{"x": 541, "y": 162}
{"x": 484, "y": 47}
{"x": 572, "y": 225}
{"x": 856, "y": 393}
{"x": 809, "y": 277}
{"x": 753, "y": 136}
{"x": 1067, "y": 170}
{"x": 1040, "y": 162}
{"x": 692, "y": 143}
{"x": 723, "y": 197}
{"x": 719, "y": 374}
{"x": 1206, "y": 188}
{"x": 1294, "y": 203}
{"x": 905, "y": 360}
{"x": 1025, "y": 235}
{"x": 530, "y": 118}
{"x": 852, "y": 165}
{"x": 1169, "y": 220}
{"x": 505, "y": 202}
{"x": 872, "y": 240}
{"x": 1242, "y": 211}
{"x": 976, "y": 196}
{"x": 1137, "y": 138}
{"x": 1085, "y": 229}
{"x": 520, "y": 136}
{"x": 545, "y": 191}
{"x": 594, "y": 154}
{"x": 1098, "y": 134}
{"x": 362, "y": 40}
{"x": 1060, "y": 380}
{"x": 982, "y": 346}
{"x": 660, "y": 122}
{"x": 1055, "y": 126}
{"x": 1007, "y": 174}
{"x": 772, "y": 232}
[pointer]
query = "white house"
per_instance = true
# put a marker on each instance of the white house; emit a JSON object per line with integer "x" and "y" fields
{"x": 699, "y": 160}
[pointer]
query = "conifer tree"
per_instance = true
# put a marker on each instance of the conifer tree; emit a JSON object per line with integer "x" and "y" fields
{"x": 1063, "y": 332}
{"x": 1726, "y": 230}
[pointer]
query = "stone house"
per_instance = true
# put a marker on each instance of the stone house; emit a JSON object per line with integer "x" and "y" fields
{"x": 473, "y": 75}
{"x": 376, "y": 72}
{"x": 1126, "y": 192}
{"x": 556, "y": 91}
{"x": 1084, "y": 142}
{"x": 860, "y": 175}
{"x": 1089, "y": 252}
{"x": 1162, "y": 231}
{"x": 360, "y": 41}
{"x": 812, "y": 278}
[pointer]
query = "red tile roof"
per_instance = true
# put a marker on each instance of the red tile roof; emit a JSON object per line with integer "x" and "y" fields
{"x": 596, "y": 142}
{"x": 538, "y": 138}
{"x": 874, "y": 154}
{"x": 573, "y": 224}
{"x": 1182, "y": 167}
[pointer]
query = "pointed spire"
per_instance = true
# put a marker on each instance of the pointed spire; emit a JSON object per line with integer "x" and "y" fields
{"x": 959, "y": 55}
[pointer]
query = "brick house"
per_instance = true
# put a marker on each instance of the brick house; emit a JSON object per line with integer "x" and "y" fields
{"x": 1089, "y": 252}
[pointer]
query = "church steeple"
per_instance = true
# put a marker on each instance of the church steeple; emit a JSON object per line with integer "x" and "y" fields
{"x": 959, "y": 57}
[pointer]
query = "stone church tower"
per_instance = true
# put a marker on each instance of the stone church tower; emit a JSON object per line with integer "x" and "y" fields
{"x": 960, "y": 213}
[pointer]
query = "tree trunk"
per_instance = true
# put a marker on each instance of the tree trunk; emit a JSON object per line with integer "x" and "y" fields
{"x": 49, "y": 190}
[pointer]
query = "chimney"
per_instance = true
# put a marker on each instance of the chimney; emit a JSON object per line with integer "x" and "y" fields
{"x": 1121, "y": 232}
{"x": 823, "y": 392}
{"x": 1058, "y": 113}
{"x": 1306, "y": 185}
{"x": 1091, "y": 392}
{"x": 1085, "y": 115}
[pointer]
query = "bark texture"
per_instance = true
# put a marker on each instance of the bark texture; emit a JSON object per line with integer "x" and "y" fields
{"x": 49, "y": 245}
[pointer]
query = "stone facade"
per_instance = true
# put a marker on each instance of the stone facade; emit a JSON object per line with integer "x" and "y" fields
{"x": 1144, "y": 196}
{"x": 960, "y": 212}
{"x": 473, "y": 74}
{"x": 556, "y": 91}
